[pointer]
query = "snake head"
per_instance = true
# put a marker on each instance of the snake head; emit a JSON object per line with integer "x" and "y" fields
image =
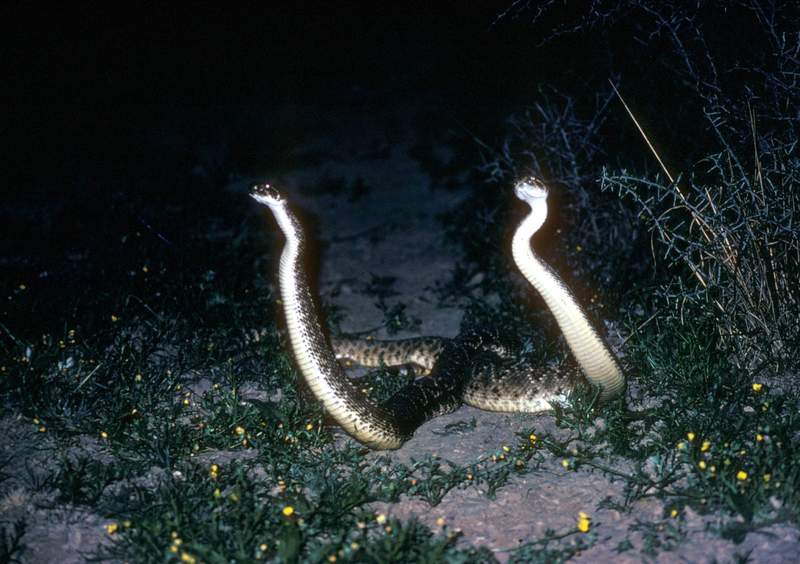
{"x": 530, "y": 189}
{"x": 266, "y": 194}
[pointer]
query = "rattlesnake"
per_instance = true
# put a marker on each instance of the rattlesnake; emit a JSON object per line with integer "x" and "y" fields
{"x": 464, "y": 369}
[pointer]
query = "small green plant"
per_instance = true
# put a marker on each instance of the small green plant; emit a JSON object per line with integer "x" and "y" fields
{"x": 11, "y": 545}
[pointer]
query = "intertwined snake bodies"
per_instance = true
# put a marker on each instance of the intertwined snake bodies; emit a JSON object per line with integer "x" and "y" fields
{"x": 465, "y": 369}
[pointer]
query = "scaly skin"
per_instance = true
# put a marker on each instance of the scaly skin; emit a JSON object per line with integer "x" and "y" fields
{"x": 461, "y": 369}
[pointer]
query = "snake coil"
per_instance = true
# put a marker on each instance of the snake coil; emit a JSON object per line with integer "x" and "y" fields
{"x": 463, "y": 371}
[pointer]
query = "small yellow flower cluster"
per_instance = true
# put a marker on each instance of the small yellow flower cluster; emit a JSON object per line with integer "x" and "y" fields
{"x": 498, "y": 456}
{"x": 214, "y": 471}
{"x": 288, "y": 511}
{"x": 242, "y": 432}
{"x": 42, "y": 428}
{"x": 177, "y": 541}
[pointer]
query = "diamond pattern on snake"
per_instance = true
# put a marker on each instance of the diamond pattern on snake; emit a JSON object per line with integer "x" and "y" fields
{"x": 467, "y": 369}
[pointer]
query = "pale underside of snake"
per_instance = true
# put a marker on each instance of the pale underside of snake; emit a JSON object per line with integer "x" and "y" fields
{"x": 455, "y": 371}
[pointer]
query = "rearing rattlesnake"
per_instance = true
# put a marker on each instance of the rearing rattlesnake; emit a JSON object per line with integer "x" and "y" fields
{"x": 465, "y": 370}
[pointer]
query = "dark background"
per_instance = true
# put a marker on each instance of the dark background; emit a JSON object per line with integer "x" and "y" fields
{"x": 108, "y": 113}
{"x": 83, "y": 83}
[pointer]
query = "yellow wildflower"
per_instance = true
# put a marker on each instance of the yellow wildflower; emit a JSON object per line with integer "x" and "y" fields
{"x": 690, "y": 436}
{"x": 583, "y": 522}
{"x": 741, "y": 475}
{"x": 673, "y": 513}
{"x": 757, "y": 387}
{"x": 288, "y": 511}
{"x": 240, "y": 430}
{"x": 381, "y": 518}
{"x": 705, "y": 446}
{"x": 112, "y": 528}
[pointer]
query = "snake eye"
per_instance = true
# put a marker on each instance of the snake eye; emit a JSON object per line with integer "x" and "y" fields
{"x": 265, "y": 193}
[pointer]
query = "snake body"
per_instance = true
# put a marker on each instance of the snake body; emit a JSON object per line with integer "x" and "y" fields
{"x": 465, "y": 369}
